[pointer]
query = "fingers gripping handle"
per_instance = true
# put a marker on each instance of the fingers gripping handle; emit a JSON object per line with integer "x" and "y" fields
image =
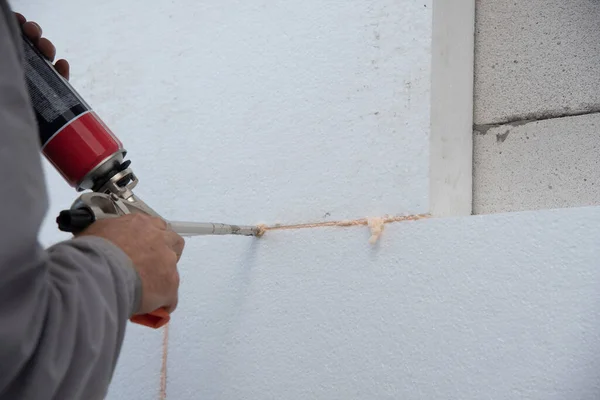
{"x": 77, "y": 220}
{"x": 155, "y": 319}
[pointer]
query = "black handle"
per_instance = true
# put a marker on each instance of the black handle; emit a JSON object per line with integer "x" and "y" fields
{"x": 74, "y": 221}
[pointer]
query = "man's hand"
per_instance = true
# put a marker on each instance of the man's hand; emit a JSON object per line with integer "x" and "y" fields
{"x": 34, "y": 32}
{"x": 154, "y": 250}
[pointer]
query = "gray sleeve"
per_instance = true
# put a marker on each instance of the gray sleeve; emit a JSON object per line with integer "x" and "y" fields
{"x": 64, "y": 309}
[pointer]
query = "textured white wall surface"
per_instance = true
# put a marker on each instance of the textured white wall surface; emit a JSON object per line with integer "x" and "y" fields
{"x": 485, "y": 307}
{"x": 278, "y": 111}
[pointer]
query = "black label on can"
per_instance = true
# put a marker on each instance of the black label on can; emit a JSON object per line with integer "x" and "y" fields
{"x": 54, "y": 100}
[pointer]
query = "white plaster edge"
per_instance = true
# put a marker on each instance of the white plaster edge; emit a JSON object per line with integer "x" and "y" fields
{"x": 452, "y": 80}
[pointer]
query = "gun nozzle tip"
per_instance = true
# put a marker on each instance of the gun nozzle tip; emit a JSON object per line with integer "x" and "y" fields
{"x": 260, "y": 230}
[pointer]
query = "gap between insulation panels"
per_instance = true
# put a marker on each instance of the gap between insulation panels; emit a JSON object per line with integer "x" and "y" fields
{"x": 374, "y": 223}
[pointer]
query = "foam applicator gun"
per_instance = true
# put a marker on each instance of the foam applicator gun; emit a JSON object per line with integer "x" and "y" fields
{"x": 90, "y": 157}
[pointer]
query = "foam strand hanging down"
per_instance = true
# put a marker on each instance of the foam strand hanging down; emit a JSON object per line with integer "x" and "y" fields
{"x": 163, "y": 368}
{"x": 376, "y": 224}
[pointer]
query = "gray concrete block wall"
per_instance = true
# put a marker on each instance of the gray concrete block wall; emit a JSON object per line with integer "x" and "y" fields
{"x": 537, "y": 98}
{"x": 536, "y": 59}
{"x": 537, "y": 165}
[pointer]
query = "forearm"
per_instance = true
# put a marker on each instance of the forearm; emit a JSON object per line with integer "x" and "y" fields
{"x": 64, "y": 320}
{"x": 64, "y": 310}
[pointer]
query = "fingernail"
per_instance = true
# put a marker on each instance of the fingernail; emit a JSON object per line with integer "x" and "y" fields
{"x": 39, "y": 27}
